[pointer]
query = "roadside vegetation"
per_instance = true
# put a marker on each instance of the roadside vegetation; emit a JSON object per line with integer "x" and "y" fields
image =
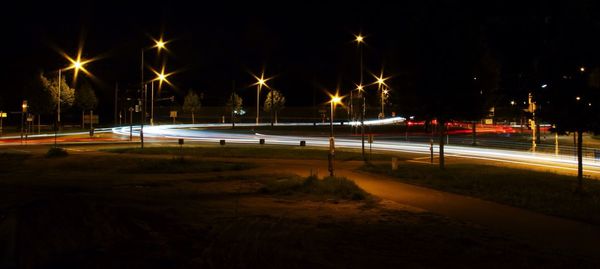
{"x": 328, "y": 187}
{"x": 543, "y": 192}
{"x": 256, "y": 151}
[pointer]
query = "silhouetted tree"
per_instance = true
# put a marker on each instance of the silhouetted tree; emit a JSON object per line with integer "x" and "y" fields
{"x": 85, "y": 99}
{"x": 450, "y": 66}
{"x": 274, "y": 100}
{"x": 234, "y": 105}
{"x": 571, "y": 104}
{"x": 191, "y": 103}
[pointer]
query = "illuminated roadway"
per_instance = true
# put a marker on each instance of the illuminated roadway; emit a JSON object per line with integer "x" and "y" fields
{"x": 204, "y": 133}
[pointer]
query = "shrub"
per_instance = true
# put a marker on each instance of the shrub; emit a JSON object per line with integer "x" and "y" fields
{"x": 336, "y": 187}
{"x": 55, "y": 152}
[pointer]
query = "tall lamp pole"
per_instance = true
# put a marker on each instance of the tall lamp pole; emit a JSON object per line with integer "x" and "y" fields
{"x": 260, "y": 82}
{"x": 76, "y": 65}
{"x": 359, "y": 41}
{"x": 381, "y": 88}
{"x": 143, "y": 92}
{"x": 334, "y": 101}
{"x": 159, "y": 44}
{"x": 258, "y": 88}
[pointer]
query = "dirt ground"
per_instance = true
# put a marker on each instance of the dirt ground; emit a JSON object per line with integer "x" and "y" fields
{"x": 101, "y": 211}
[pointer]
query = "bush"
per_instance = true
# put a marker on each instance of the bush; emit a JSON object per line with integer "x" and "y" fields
{"x": 335, "y": 187}
{"x": 55, "y": 152}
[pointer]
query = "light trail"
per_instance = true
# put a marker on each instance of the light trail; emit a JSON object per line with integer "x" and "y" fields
{"x": 548, "y": 160}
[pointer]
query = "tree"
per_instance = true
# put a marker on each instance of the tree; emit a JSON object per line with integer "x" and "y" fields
{"x": 234, "y": 105}
{"x": 449, "y": 49}
{"x": 39, "y": 100}
{"x": 85, "y": 99}
{"x": 274, "y": 100}
{"x": 67, "y": 94}
{"x": 570, "y": 104}
{"x": 191, "y": 103}
{"x": 486, "y": 79}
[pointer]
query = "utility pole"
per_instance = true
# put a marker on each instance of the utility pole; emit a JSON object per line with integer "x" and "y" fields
{"x": 116, "y": 101}
{"x": 232, "y": 99}
{"x": 143, "y": 93}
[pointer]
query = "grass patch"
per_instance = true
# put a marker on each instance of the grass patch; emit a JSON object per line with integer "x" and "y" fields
{"x": 12, "y": 161}
{"x": 264, "y": 152}
{"x": 178, "y": 165}
{"x": 331, "y": 187}
{"x": 544, "y": 192}
{"x": 55, "y": 152}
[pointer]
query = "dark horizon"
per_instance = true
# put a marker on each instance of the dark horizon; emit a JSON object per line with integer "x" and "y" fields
{"x": 307, "y": 47}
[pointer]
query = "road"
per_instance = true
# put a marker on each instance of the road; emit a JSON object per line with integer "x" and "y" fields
{"x": 212, "y": 133}
{"x": 538, "y": 160}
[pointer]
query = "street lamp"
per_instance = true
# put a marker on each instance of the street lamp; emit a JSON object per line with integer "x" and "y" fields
{"x": 23, "y": 111}
{"x": 260, "y": 82}
{"x": 159, "y": 45}
{"x": 381, "y": 82}
{"x": 360, "y": 40}
{"x": 76, "y": 64}
{"x": 335, "y": 99}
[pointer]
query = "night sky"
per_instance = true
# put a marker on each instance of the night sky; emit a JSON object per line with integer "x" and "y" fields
{"x": 307, "y": 45}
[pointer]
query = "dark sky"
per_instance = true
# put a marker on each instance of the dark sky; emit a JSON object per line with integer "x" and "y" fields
{"x": 306, "y": 45}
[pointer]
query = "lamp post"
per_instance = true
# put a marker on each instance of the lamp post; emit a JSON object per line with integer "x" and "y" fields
{"x": 272, "y": 107}
{"x": 383, "y": 91}
{"x": 76, "y": 65}
{"x": 260, "y": 82}
{"x": 23, "y": 111}
{"x": 334, "y": 101}
{"x": 359, "y": 41}
{"x": 152, "y": 103}
{"x": 383, "y": 98}
{"x": 159, "y": 44}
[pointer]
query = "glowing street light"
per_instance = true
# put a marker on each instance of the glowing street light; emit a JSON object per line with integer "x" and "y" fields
{"x": 159, "y": 45}
{"x": 335, "y": 100}
{"x": 260, "y": 82}
{"x": 360, "y": 40}
{"x": 76, "y": 64}
{"x": 582, "y": 69}
{"x": 380, "y": 83}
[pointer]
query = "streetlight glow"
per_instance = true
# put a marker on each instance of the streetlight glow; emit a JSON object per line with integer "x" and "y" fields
{"x": 359, "y": 38}
{"x": 260, "y": 82}
{"x": 582, "y": 69}
{"x": 77, "y": 65}
{"x": 162, "y": 77}
{"x": 577, "y": 98}
{"x": 160, "y": 44}
{"x": 359, "y": 88}
{"x": 336, "y": 99}
{"x": 380, "y": 80}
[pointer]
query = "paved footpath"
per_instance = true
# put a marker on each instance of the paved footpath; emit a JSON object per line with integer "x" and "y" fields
{"x": 543, "y": 230}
